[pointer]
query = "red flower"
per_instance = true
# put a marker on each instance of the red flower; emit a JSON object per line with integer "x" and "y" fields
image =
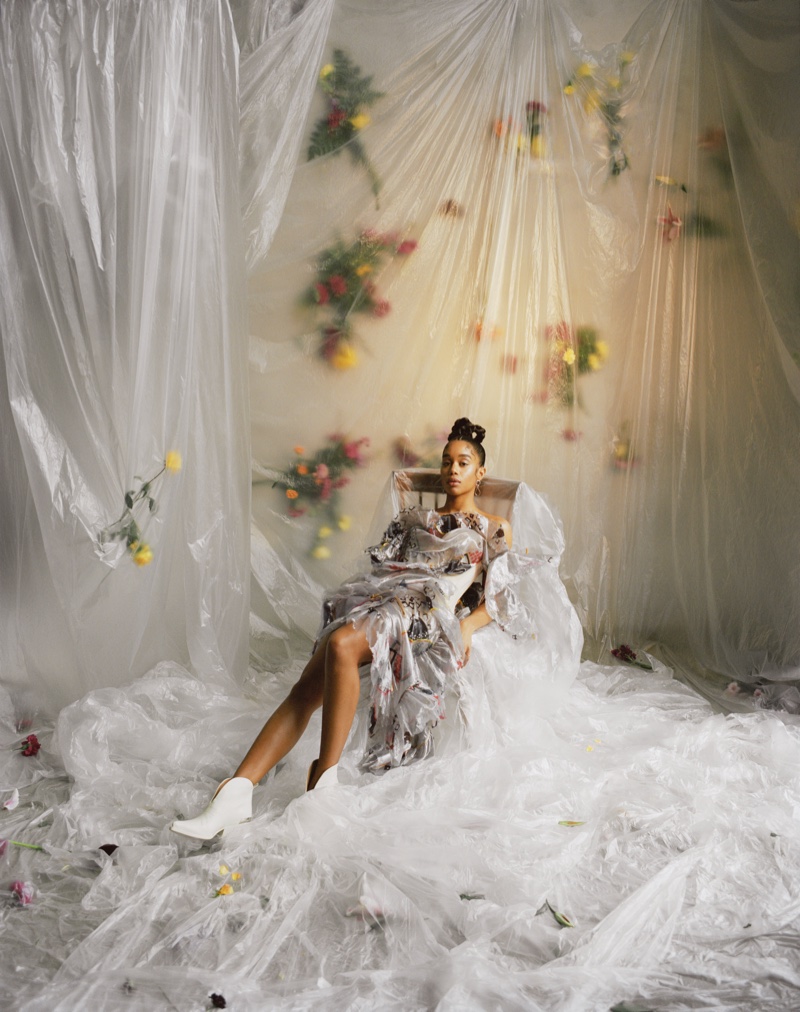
{"x": 322, "y": 293}
{"x": 537, "y": 108}
{"x": 407, "y": 246}
{"x": 336, "y": 117}
{"x": 624, "y": 653}
{"x": 30, "y": 746}
{"x": 381, "y": 308}
{"x": 571, "y": 435}
{"x": 337, "y": 284}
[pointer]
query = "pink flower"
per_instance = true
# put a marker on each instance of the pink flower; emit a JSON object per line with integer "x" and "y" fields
{"x": 353, "y": 450}
{"x": 537, "y": 108}
{"x": 671, "y": 224}
{"x": 407, "y": 246}
{"x": 733, "y": 688}
{"x": 570, "y": 435}
{"x": 322, "y": 293}
{"x": 23, "y": 891}
{"x": 381, "y": 308}
{"x": 321, "y": 472}
{"x": 337, "y": 284}
{"x": 11, "y": 803}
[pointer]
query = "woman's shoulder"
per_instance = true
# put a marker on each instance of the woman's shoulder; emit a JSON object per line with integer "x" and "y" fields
{"x": 498, "y": 527}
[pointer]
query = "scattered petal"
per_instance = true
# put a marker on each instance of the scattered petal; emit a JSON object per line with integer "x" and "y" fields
{"x": 11, "y": 803}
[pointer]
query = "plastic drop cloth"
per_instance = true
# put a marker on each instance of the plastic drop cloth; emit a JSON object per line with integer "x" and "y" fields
{"x": 618, "y": 181}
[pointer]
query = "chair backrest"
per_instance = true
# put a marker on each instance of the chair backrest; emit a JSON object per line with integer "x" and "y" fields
{"x": 422, "y": 486}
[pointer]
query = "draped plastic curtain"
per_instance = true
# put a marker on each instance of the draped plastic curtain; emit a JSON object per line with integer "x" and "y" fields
{"x": 631, "y": 191}
{"x": 618, "y": 185}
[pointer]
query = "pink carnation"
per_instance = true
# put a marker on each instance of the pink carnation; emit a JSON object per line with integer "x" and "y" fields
{"x": 321, "y": 472}
{"x": 23, "y": 891}
{"x": 30, "y": 746}
{"x": 407, "y": 246}
{"x": 381, "y": 308}
{"x": 353, "y": 450}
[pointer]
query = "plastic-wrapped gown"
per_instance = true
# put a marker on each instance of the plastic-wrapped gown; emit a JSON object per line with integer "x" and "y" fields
{"x": 429, "y": 571}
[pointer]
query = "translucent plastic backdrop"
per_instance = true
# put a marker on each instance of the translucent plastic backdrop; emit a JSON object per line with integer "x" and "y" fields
{"x": 635, "y": 194}
{"x": 123, "y": 332}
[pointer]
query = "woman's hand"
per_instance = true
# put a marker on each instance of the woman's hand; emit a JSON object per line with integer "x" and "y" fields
{"x": 466, "y": 636}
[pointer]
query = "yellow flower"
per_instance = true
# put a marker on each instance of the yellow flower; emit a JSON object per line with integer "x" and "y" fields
{"x": 594, "y": 362}
{"x": 585, "y": 70}
{"x": 522, "y": 141}
{"x": 592, "y": 101}
{"x": 142, "y": 553}
{"x": 236, "y": 876}
{"x": 344, "y": 522}
{"x": 360, "y": 120}
{"x": 537, "y": 147}
{"x": 321, "y": 552}
{"x": 326, "y": 71}
{"x": 173, "y": 461}
{"x": 627, "y": 57}
{"x": 363, "y": 269}
{"x": 614, "y": 82}
{"x": 345, "y": 357}
{"x": 324, "y": 532}
{"x": 569, "y": 88}
{"x": 291, "y": 493}
{"x": 225, "y": 890}
{"x": 299, "y": 450}
{"x": 601, "y": 348}
{"x": 569, "y": 356}
{"x": 224, "y": 869}
{"x": 621, "y": 451}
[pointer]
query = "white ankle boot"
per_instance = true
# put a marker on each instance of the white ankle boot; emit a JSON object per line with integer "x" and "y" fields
{"x": 232, "y": 804}
{"x": 328, "y": 778}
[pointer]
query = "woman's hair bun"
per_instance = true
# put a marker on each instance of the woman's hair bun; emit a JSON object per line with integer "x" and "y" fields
{"x": 464, "y": 429}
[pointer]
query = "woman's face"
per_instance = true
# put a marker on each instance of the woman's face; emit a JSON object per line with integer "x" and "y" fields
{"x": 460, "y": 469}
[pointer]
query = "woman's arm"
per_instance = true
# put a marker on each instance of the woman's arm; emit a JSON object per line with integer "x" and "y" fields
{"x": 476, "y": 619}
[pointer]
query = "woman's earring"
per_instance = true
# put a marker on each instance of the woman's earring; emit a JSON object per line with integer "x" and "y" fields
{"x": 478, "y": 487}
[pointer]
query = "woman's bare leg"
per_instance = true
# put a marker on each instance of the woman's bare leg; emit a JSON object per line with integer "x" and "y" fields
{"x": 286, "y": 725}
{"x": 330, "y": 679}
{"x": 346, "y": 648}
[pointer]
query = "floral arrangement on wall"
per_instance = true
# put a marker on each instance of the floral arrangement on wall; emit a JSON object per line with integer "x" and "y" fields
{"x": 688, "y": 221}
{"x": 427, "y": 453}
{"x": 345, "y": 285}
{"x": 573, "y": 352}
{"x": 349, "y": 94}
{"x": 140, "y": 506}
{"x": 603, "y": 94}
{"x": 312, "y": 484}
{"x": 527, "y": 138}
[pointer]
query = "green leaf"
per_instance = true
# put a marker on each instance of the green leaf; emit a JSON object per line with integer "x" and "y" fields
{"x": 129, "y": 500}
{"x": 570, "y": 822}
{"x": 471, "y": 896}
{"x": 152, "y": 504}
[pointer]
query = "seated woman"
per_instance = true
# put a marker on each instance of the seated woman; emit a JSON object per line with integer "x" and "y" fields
{"x": 411, "y": 618}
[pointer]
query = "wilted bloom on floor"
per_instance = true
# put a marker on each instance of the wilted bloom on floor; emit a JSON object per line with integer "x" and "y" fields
{"x": 291, "y": 493}
{"x": 236, "y": 876}
{"x": 733, "y": 689}
{"x": 142, "y": 553}
{"x": 325, "y": 532}
{"x": 671, "y": 224}
{"x": 30, "y": 745}
{"x": 344, "y": 522}
{"x": 11, "y": 803}
{"x": 407, "y": 246}
{"x": 321, "y": 552}
{"x": 624, "y": 653}
{"x": 218, "y": 1001}
{"x": 224, "y": 890}
{"x": 23, "y": 892}
{"x": 173, "y": 461}
{"x": 224, "y": 869}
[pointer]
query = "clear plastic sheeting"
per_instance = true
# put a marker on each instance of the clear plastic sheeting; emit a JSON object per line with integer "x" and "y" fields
{"x": 123, "y": 332}
{"x": 576, "y": 223}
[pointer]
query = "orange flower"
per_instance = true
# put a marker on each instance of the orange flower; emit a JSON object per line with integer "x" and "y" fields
{"x": 225, "y": 890}
{"x": 299, "y": 450}
{"x": 302, "y": 469}
{"x": 291, "y": 493}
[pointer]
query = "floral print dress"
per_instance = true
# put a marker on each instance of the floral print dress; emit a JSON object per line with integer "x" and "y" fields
{"x": 428, "y": 572}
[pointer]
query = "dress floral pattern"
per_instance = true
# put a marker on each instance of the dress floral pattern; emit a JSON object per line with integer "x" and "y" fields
{"x": 428, "y": 572}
